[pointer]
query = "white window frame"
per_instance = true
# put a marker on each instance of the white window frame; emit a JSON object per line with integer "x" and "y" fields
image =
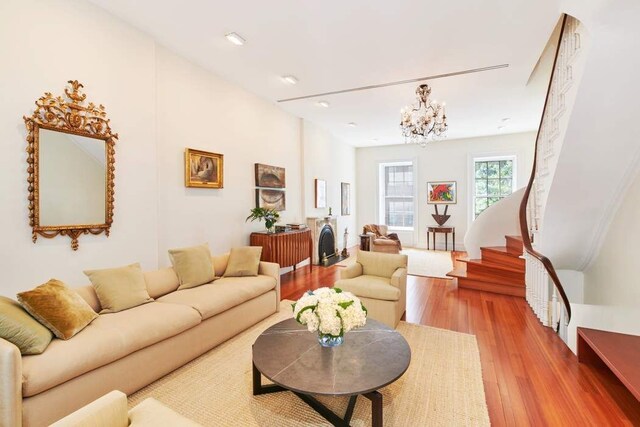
{"x": 381, "y": 192}
{"x": 487, "y": 157}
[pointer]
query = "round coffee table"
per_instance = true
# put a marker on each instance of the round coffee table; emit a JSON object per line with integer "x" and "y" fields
{"x": 370, "y": 358}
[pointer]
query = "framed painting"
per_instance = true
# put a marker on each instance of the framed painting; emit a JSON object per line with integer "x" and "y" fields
{"x": 321, "y": 193}
{"x": 269, "y": 176}
{"x": 271, "y": 199}
{"x": 203, "y": 169}
{"x": 442, "y": 193}
{"x": 345, "y": 198}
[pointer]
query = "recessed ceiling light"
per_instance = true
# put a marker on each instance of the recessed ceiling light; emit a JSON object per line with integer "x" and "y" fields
{"x": 506, "y": 119}
{"x": 501, "y": 128}
{"x": 323, "y": 104}
{"x": 375, "y": 139}
{"x": 352, "y": 124}
{"x": 289, "y": 79}
{"x": 235, "y": 38}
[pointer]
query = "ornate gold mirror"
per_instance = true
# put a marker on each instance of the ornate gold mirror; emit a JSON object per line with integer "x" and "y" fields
{"x": 70, "y": 162}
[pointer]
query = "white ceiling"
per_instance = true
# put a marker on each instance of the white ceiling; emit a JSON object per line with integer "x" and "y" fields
{"x": 336, "y": 44}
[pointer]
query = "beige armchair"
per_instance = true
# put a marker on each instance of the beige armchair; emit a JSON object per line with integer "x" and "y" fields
{"x": 380, "y": 281}
{"x": 380, "y": 240}
{"x": 111, "y": 411}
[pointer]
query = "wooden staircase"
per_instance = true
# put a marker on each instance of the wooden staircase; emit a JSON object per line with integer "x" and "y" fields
{"x": 500, "y": 269}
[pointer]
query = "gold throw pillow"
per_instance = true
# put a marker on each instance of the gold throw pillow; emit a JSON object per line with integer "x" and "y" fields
{"x": 119, "y": 288}
{"x": 58, "y": 307}
{"x": 244, "y": 261}
{"x": 193, "y": 266}
{"x": 22, "y": 330}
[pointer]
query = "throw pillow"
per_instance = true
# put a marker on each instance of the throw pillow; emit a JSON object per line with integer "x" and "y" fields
{"x": 192, "y": 265}
{"x": 244, "y": 261}
{"x": 58, "y": 307}
{"x": 119, "y": 288}
{"x": 22, "y": 330}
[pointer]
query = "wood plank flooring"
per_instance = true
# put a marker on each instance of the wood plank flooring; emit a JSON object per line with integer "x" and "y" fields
{"x": 530, "y": 377}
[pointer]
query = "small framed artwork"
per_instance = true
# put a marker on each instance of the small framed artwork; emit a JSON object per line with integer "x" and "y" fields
{"x": 271, "y": 199}
{"x": 203, "y": 169}
{"x": 269, "y": 176}
{"x": 345, "y": 198}
{"x": 321, "y": 193}
{"x": 442, "y": 193}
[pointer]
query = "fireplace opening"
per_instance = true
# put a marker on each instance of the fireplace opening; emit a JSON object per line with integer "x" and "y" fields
{"x": 327, "y": 246}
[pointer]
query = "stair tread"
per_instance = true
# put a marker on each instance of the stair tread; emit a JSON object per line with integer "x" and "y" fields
{"x": 492, "y": 265}
{"x": 462, "y": 274}
{"x": 501, "y": 250}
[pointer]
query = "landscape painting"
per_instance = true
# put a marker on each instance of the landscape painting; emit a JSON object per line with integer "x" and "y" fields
{"x": 269, "y": 176}
{"x": 442, "y": 192}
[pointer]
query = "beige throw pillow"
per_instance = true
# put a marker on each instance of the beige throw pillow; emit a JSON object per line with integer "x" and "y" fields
{"x": 119, "y": 288}
{"x": 58, "y": 307}
{"x": 22, "y": 330}
{"x": 244, "y": 261}
{"x": 192, "y": 265}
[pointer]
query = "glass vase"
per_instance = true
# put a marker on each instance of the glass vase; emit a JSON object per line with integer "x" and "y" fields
{"x": 330, "y": 340}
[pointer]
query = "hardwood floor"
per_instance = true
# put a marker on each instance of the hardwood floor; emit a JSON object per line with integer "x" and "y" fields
{"x": 530, "y": 376}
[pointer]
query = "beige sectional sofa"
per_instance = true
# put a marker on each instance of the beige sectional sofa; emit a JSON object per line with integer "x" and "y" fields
{"x": 132, "y": 348}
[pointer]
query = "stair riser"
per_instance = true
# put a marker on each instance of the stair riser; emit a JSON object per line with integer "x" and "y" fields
{"x": 488, "y": 287}
{"x": 514, "y": 246}
{"x": 486, "y": 271}
{"x": 503, "y": 259}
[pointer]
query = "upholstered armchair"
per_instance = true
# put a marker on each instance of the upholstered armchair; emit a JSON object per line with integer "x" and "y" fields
{"x": 111, "y": 410}
{"x": 380, "y": 240}
{"x": 380, "y": 281}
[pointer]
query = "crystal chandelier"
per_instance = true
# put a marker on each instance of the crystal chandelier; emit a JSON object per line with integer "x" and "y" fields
{"x": 425, "y": 121}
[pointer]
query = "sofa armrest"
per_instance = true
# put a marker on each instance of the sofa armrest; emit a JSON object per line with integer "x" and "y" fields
{"x": 354, "y": 270}
{"x": 10, "y": 384}
{"x": 272, "y": 269}
{"x": 109, "y": 410}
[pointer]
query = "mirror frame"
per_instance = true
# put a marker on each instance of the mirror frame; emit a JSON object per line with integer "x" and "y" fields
{"x": 68, "y": 115}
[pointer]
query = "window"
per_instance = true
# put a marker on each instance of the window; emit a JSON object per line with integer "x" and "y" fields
{"x": 494, "y": 180}
{"x": 397, "y": 194}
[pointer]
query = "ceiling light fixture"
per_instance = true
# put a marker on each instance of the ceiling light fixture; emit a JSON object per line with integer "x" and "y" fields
{"x": 323, "y": 104}
{"x": 352, "y": 124}
{"x": 506, "y": 119}
{"x": 425, "y": 121}
{"x": 500, "y": 128}
{"x": 289, "y": 79}
{"x": 235, "y": 38}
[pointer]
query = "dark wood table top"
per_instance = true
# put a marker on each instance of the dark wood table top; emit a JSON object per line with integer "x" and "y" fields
{"x": 442, "y": 228}
{"x": 370, "y": 358}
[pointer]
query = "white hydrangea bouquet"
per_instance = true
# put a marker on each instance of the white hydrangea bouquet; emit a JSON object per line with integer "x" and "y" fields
{"x": 330, "y": 312}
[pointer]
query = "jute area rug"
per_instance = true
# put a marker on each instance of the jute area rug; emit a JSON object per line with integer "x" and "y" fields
{"x": 442, "y": 387}
{"x": 422, "y": 262}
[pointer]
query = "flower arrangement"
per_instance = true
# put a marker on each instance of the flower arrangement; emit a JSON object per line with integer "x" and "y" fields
{"x": 330, "y": 312}
{"x": 270, "y": 216}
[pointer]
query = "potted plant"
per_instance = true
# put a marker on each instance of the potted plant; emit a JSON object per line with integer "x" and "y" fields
{"x": 270, "y": 217}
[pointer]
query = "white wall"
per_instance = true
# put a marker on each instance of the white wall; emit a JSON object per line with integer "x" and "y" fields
{"x": 197, "y": 109}
{"x": 42, "y": 45}
{"x": 612, "y": 277}
{"x": 326, "y": 157}
{"x": 447, "y": 160}
{"x": 159, "y": 104}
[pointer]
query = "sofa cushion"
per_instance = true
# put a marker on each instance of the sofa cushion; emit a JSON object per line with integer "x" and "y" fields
{"x": 109, "y": 338}
{"x": 244, "y": 261}
{"x": 222, "y": 294}
{"x": 161, "y": 282}
{"x": 192, "y": 265}
{"x": 370, "y": 287}
{"x": 119, "y": 288}
{"x": 58, "y": 307}
{"x": 22, "y": 330}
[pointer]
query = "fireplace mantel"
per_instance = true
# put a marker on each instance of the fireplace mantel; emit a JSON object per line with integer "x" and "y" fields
{"x": 316, "y": 225}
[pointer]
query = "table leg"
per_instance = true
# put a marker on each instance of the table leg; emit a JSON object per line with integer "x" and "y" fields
{"x": 446, "y": 241}
{"x": 258, "y": 388}
{"x": 434, "y": 240}
{"x": 427, "y": 239}
{"x": 376, "y": 408}
{"x": 454, "y": 241}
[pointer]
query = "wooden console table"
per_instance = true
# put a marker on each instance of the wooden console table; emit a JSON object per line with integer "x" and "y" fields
{"x": 288, "y": 248}
{"x": 441, "y": 229}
